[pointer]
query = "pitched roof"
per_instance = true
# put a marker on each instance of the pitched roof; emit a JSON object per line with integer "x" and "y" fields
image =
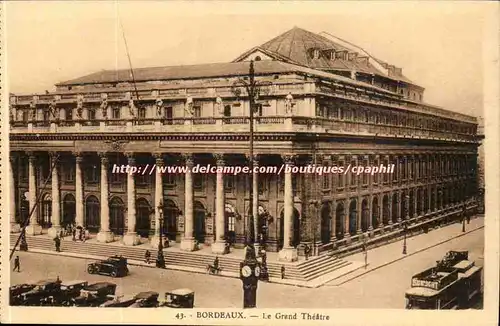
{"x": 294, "y": 45}
{"x": 208, "y": 71}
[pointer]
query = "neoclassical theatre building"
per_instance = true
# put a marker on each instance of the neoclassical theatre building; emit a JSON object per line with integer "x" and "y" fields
{"x": 322, "y": 101}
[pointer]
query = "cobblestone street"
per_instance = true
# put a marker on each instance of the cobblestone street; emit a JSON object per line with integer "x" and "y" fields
{"x": 221, "y": 292}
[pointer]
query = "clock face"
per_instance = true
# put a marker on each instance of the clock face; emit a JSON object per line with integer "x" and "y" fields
{"x": 257, "y": 271}
{"x": 246, "y": 271}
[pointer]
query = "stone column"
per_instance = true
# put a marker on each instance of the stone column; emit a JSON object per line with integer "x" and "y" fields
{"x": 347, "y": 233}
{"x": 56, "y": 198}
{"x": 131, "y": 238}
{"x": 255, "y": 203}
{"x": 14, "y": 226}
{"x": 79, "y": 190}
{"x": 155, "y": 240}
{"x": 33, "y": 228}
{"x": 380, "y": 203}
{"x": 333, "y": 211}
{"x": 429, "y": 198}
{"x": 398, "y": 206}
{"x": 219, "y": 246}
{"x": 288, "y": 253}
{"x": 370, "y": 213}
{"x": 104, "y": 235}
{"x": 390, "y": 208}
{"x": 359, "y": 214}
{"x": 188, "y": 241}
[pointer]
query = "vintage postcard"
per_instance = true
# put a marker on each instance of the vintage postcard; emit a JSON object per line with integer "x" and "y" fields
{"x": 249, "y": 163}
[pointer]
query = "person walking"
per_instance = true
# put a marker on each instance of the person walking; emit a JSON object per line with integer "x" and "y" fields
{"x": 147, "y": 257}
{"x": 282, "y": 271}
{"x": 307, "y": 251}
{"x": 57, "y": 243}
{"x": 17, "y": 264}
{"x": 74, "y": 233}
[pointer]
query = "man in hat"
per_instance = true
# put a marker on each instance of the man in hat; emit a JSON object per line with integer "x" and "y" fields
{"x": 17, "y": 264}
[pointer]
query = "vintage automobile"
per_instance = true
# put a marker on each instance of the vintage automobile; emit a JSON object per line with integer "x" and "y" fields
{"x": 140, "y": 300}
{"x": 38, "y": 295}
{"x": 114, "y": 266}
{"x": 147, "y": 299}
{"x": 180, "y": 298}
{"x": 16, "y": 290}
{"x": 69, "y": 291}
{"x": 94, "y": 295}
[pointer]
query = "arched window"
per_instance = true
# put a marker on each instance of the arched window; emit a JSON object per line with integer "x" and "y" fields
{"x": 92, "y": 216}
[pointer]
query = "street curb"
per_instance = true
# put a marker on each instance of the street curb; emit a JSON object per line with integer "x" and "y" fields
{"x": 408, "y": 255}
{"x": 140, "y": 264}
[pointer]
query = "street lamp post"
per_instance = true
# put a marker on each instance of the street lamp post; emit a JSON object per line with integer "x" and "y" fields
{"x": 405, "y": 229}
{"x": 160, "y": 259}
{"x": 249, "y": 267}
{"x": 464, "y": 214}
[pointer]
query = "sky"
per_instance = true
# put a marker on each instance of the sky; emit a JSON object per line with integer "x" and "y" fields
{"x": 438, "y": 45}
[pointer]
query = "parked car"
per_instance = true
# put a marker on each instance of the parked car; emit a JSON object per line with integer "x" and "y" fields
{"x": 38, "y": 295}
{"x": 95, "y": 294}
{"x": 69, "y": 291}
{"x": 180, "y": 298}
{"x": 114, "y": 266}
{"x": 16, "y": 290}
{"x": 119, "y": 302}
{"x": 147, "y": 299}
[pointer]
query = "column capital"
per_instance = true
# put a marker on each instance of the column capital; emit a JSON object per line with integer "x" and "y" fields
{"x": 31, "y": 157}
{"x": 219, "y": 159}
{"x": 104, "y": 157}
{"x": 130, "y": 157}
{"x": 159, "y": 161}
{"x": 53, "y": 154}
{"x": 289, "y": 159}
{"x": 188, "y": 158}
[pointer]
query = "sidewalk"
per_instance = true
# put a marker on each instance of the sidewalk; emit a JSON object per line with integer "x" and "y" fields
{"x": 390, "y": 253}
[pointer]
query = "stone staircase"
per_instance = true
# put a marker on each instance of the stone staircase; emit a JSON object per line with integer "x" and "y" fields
{"x": 302, "y": 271}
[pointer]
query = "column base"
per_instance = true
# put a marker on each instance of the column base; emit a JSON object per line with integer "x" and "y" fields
{"x": 15, "y": 228}
{"x": 105, "y": 236}
{"x": 131, "y": 239}
{"x": 54, "y": 231}
{"x": 188, "y": 244}
{"x": 33, "y": 229}
{"x": 288, "y": 254}
{"x": 219, "y": 248}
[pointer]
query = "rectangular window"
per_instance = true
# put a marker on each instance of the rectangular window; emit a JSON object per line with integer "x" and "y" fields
{"x": 91, "y": 114}
{"x": 229, "y": 183}
{"x": 25, "y": 115}
{"x": 141, "y": 112}
{"x": 341, "y": 176}
{"x": 116, "y": 178}
{"x": 142, "y": 180}
{"x": 326, "y": 181}
{"x": 396, "y": 170}
{"x": 227, "y": 110}
{"x": 353, "y": 175}
{"x": 169, "y": 180}
{"x": 69, "y": 114}
{"x": 375, "y": 176}
{"x": 92, "y": 174}
{"x": 197, "y": 111}
{"x": 198, "y": 182}
{"x": 46, "y": 115}
{"x": 365, "y": 175}
{"x": 116, "y": 113}
{"x": 263, "y": 184}
{"x": 69, "y": 173}
{"x": 23, "y": 172}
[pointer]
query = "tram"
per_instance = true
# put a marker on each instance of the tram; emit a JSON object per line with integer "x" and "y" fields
{"x": 454, "y": 283}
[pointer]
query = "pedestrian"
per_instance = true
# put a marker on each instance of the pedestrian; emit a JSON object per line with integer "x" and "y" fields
{"x": 57, "y": 242}
{"x": 61, "y": 234}
{"x": 147, "y": 257}
{"x": 17, "y": 264}
{"x": 84, "y": 232}
{"x": 216, "y": 263}
{"x": 264, "y": 258}
{"x": 282, "y": 271}
{"x": 74, "y": 234}
{"x": 306, "y": 251}
{"x": 80, "y": 234}
{"x": 167, "y": 243}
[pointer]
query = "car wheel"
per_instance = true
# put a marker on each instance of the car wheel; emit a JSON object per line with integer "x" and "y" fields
{"x": 90, "y": 270}
{"x": 113, "y": 274}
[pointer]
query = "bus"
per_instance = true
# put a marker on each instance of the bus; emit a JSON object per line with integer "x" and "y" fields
{"x": 454, "y": 283}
